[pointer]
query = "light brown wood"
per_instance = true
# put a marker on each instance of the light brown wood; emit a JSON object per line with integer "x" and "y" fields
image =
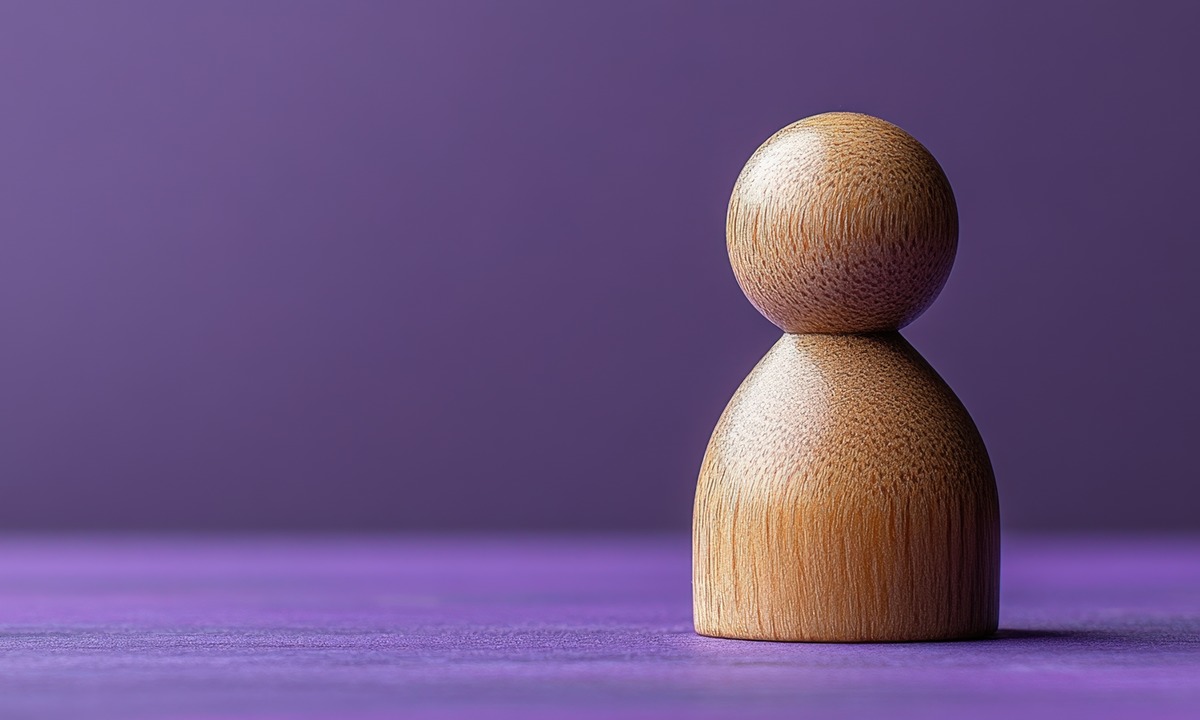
{"x": 846, "y": 494}
{"x": 842, "y": 223}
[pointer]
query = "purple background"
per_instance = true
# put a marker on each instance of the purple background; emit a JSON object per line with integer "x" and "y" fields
{"x": 443, "y": 265}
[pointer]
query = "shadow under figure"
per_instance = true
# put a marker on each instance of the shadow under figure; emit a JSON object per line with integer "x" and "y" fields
{"x": 846, "y": 494}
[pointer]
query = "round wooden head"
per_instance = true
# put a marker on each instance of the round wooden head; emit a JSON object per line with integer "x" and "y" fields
{"x": 842, "y": 223}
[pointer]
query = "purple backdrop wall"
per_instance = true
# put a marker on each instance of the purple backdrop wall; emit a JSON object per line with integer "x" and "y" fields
{"x": 461, "y": 265}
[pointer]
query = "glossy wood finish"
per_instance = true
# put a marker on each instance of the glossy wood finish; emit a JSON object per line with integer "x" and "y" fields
{"x": 846, "y": 495}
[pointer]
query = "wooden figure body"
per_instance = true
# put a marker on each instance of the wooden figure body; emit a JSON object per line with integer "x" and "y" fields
{"x": 846, "y": 495}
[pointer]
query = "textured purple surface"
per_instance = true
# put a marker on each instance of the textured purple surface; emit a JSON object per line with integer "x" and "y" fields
{"x": 460, "y": 264}
{"x": 555, "y": 627}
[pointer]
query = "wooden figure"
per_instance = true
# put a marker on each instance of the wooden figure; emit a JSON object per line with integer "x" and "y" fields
{"x": 846, "y": 495}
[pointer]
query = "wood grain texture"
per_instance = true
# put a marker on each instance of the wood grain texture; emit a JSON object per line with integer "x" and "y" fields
{"x": 846, "y": 495}
{"x": 842, "y": 223}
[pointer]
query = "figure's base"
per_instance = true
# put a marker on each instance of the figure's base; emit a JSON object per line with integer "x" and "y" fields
{"x": 846, "y": 496}
{"x": 935, "y": 636}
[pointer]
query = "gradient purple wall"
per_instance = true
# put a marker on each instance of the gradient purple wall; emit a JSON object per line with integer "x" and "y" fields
{"x": 354, "y": 265}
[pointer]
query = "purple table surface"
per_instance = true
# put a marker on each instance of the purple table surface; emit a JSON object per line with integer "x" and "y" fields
{"x": 487, "y": 627}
